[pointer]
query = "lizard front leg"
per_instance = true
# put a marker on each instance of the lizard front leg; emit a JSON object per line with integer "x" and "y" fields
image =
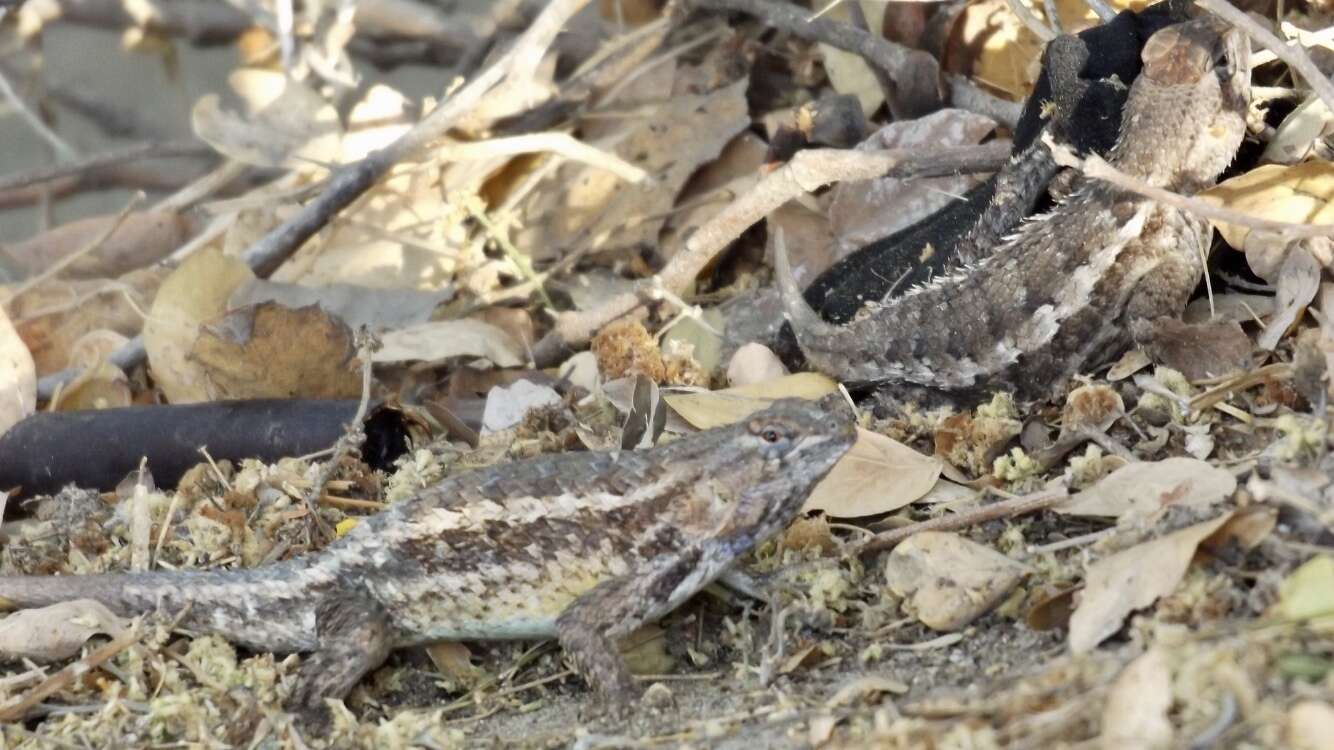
{"x": 591, "y": 625}
{"x": 354, "y": 636}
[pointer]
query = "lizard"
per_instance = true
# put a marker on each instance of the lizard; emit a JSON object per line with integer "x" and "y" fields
{"x": 581, "y": 547}
{"x": 1062, "y": 295}
{"x": 1078, "y": 98}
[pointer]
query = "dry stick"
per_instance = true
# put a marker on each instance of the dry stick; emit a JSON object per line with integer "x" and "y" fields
{"x": 1005, "y": 509}
{"x": 1030, "y": 21}
{"x": 807, "y": 171}
{"x": 140, "y": 152}
{"x": 1292, "y": 54}
{"x": 350, "y": 181}
{"x": 909, "y": 77}
{"x": 68, "y": 675}
{"x": 562, "y": 144}
{"x": 62, "y": 149}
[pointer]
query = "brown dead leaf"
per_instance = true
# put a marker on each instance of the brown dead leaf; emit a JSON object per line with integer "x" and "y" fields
{"x": 56, "y": 314}
{"x": 271, "y": 351}
{"x": 1146, "y": 487}
{"x": 142, "y": 238}
{"x": 57, "y": 631}
{"x": 375, "y": 308}
{"x": 454, "y": 662}
{"x": 1135, "y": 712}
{"x": 878, "y": 475}
{"x": 101, "y": 385}
{"x": 195, "y": 292}
{"x": 948, "y": 580}
{"x": 1200, "y": 351}
{"x": 708, "y": 409}
{"x": 18, "y": 376}
{"x": 1133, "y": 579}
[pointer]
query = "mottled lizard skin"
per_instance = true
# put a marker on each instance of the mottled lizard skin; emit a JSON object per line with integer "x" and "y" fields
{"x": 584, "y": 547}
{"x": 1058, "y": 297}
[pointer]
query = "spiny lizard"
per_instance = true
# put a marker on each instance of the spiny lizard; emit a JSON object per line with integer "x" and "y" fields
{"x": 1059, "y": 297}
{"x": 584, "y": 547}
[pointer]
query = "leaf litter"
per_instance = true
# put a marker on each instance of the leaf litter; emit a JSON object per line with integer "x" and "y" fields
{"x": 1183, "y": 583}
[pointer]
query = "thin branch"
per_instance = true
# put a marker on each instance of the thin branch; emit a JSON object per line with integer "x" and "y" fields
{"x": 807, "y": 171}
{"x": 1096, "y": 167}
{"x": 1005, "y": 509}
{"x": 63, "y": 150}
{"x": 140, "y": 152}
{"x": 1030, "y": 21}
{"x": 910, "y": 78}
{"x": 1292, "y": 54}
{"x": 349, "y": 182}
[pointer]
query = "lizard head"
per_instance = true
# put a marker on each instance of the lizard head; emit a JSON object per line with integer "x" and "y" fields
{"x": 798, "y": 431}
{"x": 1193, "y": 94}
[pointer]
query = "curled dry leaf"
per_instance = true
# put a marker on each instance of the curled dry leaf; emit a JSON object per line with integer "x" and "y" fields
{"x": 948, "y": 580}
{"x": 445, "y": 339}
{"x": 1298, "y": 281}
{"x": 1201, "y": 350}
{"x": 271, "y": 351}
{"x": 878, "y": 475}
{"x": 142, "y": 238}
{"x": 1135, "y": 713}
{"x": 195, "y": 292}
{"x": 1146, "y": 487}
{"x": 1133, "y": 579}
{"x": 57, "y": 631}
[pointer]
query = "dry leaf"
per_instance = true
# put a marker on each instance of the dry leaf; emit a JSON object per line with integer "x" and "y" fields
{"x": 878, "y": 475}
{"x": 1298, "y": 281}
{"x": 1300, "y": 193}
{"x": 1146, "y": 487}
{"x": 708, "y": 409}
{"x": 848, "y": 72}
{"x": 1200, "y": 351}
{"x": 142, "y": 238}
{"x": 195, "y": 292}
{"x": 1294, "y": 139}
{"x": 281, "y": 122}
{"x": 454, "y": 662}
{"x": 1308, "y": 592}
{"x": 57, "y": 631}
{"x": 357, "y": 306}
{"x": 506, "y": 407}
{"x": 950, "y": 581}
{"x": 862, "y": 212}
{"x": 1133, "y": 579}
{"x": 444, "y": 339}
{"x": 271, "y": 351}
{"x": 1135, "y": 712}
{"x": 18, "y": 376}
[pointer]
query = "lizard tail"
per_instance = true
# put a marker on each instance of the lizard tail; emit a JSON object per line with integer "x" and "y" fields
{"x": 807, "y": 324}
{"x": 23, "y": 592}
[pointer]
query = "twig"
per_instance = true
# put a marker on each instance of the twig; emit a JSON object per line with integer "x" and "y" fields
{"x": 1293, "y": 55}
{"x": 69, "y": 674}
{"x": 137, "y": 153}
{"x": 964, "y": 94}
{"x": 1005, "y": 509}
{"x": 1104, "y": 11}
{"x": 807, "y": 171}
{"x": 1030, "y": 21}
{"x": 1095, "y": 166}
{"x": 350, "y": 181}
{"x": 63, "y": 150}
{"x": 351, "y": 440}
{"x": 910, "y": 78}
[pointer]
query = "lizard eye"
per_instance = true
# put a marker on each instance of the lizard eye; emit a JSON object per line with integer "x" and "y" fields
{"x": 770, "y": 436}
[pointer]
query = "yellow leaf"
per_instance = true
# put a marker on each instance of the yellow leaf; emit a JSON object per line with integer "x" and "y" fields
{"x": 708, "y": 409}
{"x": 1300, "y": 193}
